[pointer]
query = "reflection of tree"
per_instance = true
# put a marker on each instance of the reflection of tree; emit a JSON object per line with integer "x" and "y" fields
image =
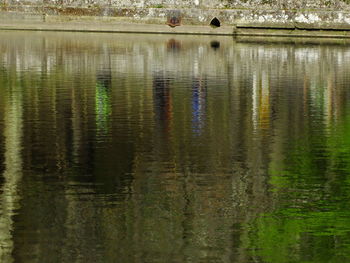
{"x": 10, "y": 196}
{"x": 312, "y": 214}
{"x": 309, "y": 222}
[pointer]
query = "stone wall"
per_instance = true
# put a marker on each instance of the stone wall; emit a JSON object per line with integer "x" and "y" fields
{"x": 250, "y": 4}
{"x": 276, "y": 14}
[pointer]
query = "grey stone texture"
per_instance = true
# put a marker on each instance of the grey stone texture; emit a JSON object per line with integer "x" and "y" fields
{"x": 221, "y": 4}
{"x": 268, "y": 14}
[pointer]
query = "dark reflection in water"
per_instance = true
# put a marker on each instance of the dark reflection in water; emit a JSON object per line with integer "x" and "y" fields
{"x": 162, "y": 102}
{"x": 126, "y": 148}
{"x": 215, "y": 44}
{"x": 173, "y": 45}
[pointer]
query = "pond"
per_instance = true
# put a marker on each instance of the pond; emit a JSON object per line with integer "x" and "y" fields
{"x": 169, "y": 148}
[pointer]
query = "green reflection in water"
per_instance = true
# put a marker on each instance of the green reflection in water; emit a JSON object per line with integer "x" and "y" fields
{"x": 311, "y": 220}
{"x": 103, "y": 108}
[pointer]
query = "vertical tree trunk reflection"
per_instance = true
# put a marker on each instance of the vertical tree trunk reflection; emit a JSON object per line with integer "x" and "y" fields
{"x": 9, "y": 199}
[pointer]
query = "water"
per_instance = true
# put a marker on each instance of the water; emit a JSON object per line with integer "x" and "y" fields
{"x": 147, "y": 148}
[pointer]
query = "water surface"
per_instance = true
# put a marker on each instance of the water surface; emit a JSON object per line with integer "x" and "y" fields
{"x": 146, "y": 148}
